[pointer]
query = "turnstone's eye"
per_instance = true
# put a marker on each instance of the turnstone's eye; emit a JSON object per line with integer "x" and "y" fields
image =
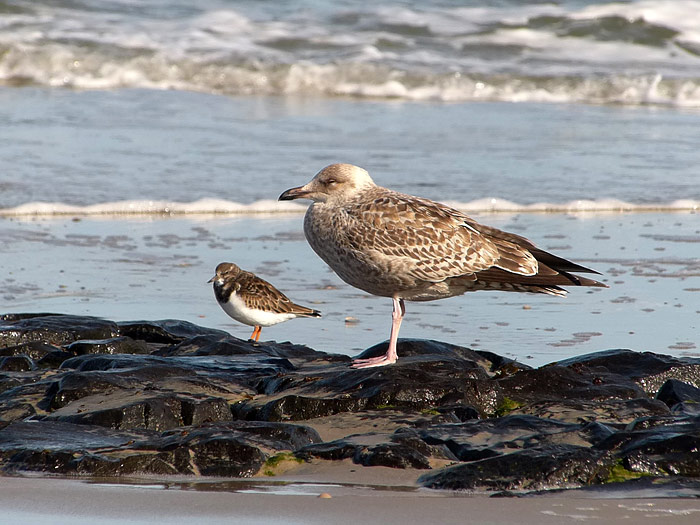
{"x": 331, "y": 181}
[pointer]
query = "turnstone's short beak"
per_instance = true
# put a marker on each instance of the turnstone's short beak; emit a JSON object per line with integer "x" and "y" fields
{"x": 212, "y": 279}
{"x": 293, "y": 193}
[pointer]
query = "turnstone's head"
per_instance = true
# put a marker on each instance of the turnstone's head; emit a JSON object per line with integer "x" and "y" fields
{"x": 225, "y": 271}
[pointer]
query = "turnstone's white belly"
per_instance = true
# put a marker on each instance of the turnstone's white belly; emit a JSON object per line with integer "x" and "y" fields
{"x": 237, "y": 309}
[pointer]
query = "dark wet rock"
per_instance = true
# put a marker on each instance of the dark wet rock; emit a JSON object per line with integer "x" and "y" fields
{"x": 17, "y": 363}
{"x": 641, "y": 487}
{"x": 370, "y": 450}
{"x": 225, "y": 345}
{"x": 8, "y": 382}
{"x": 421, "y": 380}
{"x": 559, "y": 382}
{"x": 36, "y": 350}
{"x": 536, "y": 468}
{"x": 54, "y": 359}
{"x": 675, "y": 455}
{"x": 15, "y": 410}
{"x": 211, "y": 376}
{"x": 143, "y": 410}
{"x": 460, "y": 413}
{"x": 416, "y": 349}
{"x": 680, "y": 397}
{"x": 614, "y": 412}
{"x": 222, "y": 449}
{"x": 479, "y": 439}
{"x": 499, "y": 365}
{"x": 167, "y": 331}
{"x": 24, "y": 394}
{"x": 394, "y": 455}
{"x": 114, "y": 345}
{"x": 647, "y": 369}
{"x": 87, "y": 396}
{"x": 412, "y": 438}
{"x": 333, "y": 450}
{"x": 660, "y": 449}
{"x": 284, "y": 436}
{"x": 297, "y": 408}
{"x": 71, "y": 387}
{"x": 54, "y": 329}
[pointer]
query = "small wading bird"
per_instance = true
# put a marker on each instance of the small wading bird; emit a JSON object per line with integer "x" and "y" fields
{"x": 395, "y": 245}
{"x": 253, "y": 301}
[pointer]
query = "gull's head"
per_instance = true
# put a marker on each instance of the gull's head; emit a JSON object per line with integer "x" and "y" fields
{"x": 225, "y": 271}
{"x": 337, "y": 181}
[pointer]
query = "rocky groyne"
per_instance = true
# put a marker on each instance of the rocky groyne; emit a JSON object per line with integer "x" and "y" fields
{"x": 90, "y": 397}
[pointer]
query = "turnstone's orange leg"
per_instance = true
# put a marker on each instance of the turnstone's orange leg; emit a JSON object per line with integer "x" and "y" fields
{"x": 256, "y": 333}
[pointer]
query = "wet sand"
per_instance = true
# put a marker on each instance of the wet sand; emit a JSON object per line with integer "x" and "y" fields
{"x": 152, "y": 267}
{"x": 371, "y": 500}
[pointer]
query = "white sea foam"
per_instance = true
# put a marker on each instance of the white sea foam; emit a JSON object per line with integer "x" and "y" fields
{"x": 153, "y": 207}
{"x": 681, "y": 15}
{"x": 262, "y": 207}
{"x": 412, "y": 52}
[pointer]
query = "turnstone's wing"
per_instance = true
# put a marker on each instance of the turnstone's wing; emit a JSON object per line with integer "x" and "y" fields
{"x": 260, "y": 295}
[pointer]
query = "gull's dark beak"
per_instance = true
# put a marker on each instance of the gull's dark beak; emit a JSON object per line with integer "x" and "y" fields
{"x": 294, "y": 193}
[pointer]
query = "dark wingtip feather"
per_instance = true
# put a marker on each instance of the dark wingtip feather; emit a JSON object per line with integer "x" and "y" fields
{"x": 559, "y": 263}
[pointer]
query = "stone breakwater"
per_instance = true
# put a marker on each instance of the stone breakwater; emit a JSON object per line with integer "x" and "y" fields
{"x": 91, "y": 397}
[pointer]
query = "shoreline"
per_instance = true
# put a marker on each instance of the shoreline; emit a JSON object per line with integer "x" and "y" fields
{"x": 72, "y": 501}
{"x": 141, "y": 268}
{"x": 266, "y": 207}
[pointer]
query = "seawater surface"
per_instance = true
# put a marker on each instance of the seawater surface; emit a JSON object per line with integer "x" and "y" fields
{"x": 580, "y": 51}
{"x": 157, "y": 267}
{"x": 158, "y": 150}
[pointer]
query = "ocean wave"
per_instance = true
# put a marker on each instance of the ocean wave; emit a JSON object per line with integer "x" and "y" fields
{"x": 644, "y": 52}
{"x": 270, "y": 207}
{"x": 73, "y": 69}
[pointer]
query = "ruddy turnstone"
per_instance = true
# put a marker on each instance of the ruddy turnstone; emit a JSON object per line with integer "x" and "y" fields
{"x": 253, "y": 301}
{"x": 408, "y": 248}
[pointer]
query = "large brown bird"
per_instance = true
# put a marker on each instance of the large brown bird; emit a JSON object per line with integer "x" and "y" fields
{"x": 395, "y": 245}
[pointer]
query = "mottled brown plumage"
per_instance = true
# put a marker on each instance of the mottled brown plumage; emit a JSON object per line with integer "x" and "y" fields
{"x": 253, "y": 301}
{"x": 408, "y": 248}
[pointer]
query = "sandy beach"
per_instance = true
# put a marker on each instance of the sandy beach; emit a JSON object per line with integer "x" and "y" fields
{"x": 369, "y": 499}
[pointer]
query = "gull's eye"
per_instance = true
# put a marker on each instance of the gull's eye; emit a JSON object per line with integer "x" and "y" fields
{"x": 331, "y": 181}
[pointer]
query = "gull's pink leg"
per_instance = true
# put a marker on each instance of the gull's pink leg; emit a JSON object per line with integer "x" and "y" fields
{"x": 391, "y": 355}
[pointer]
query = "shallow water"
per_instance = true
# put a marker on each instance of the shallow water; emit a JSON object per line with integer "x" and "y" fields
{"x": 98, "y": 148}
{"x": 157, "y": 267}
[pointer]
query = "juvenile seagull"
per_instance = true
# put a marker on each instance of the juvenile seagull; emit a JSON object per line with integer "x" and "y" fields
{"x": 253, "y": 301}
{"x": 395, "y": 245}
